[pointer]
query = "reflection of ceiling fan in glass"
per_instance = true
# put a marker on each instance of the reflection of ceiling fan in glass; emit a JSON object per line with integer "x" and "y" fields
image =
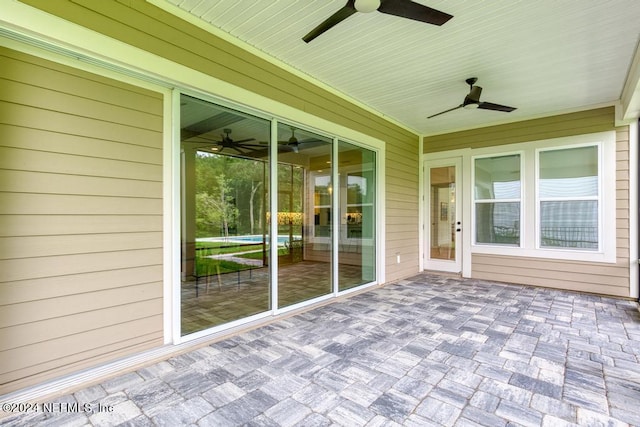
{"x": 259, "y": 149}
{"x": 203, "y": 142}
{"x": 292, "y": 144}
{"x": 240, "y": 146}
{"x": 245, "y": 147}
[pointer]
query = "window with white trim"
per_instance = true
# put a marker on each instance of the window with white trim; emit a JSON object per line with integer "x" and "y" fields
{"x": 497, "y": 199}
{"x": 568, "y": 198}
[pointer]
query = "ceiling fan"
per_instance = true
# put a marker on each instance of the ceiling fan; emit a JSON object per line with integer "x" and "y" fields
{"x": 472, "y": 100}
{"x": 402, "y": 8}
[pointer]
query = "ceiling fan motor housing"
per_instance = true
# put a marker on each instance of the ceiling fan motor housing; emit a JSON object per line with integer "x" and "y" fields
{"x": 473, "y": 99}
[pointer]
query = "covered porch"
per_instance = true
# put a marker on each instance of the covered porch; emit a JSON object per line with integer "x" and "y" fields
{"x": 428, "y": 350}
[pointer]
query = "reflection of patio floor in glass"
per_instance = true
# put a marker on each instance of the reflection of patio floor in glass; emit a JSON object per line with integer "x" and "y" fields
{"x": 234, "y": 296}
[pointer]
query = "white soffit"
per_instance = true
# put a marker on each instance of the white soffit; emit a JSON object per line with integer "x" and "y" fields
{"x": 543, "y": 57}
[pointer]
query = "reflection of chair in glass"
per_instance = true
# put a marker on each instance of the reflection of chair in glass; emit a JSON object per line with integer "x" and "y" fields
{"x": 206, "y": 270}
{"x": 353, "y": 241}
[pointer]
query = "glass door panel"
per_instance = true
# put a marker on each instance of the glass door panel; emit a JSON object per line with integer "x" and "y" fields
{"x": 357, "y": 249}
{"x": 224, "y": 211}
{"x": 443, "y": 217}
{"x": 443, "y": 237}
{"x": 304, "y": 215}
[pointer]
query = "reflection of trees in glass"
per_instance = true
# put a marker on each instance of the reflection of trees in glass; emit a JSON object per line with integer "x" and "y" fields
{"x": 322, "y": 192}
{"x": 354, "y": 193}
{"x": 290, "y": 181}
{"x": 322, "y": 195}
{"x": 357, "y": 187}
{"x": 229, "y": 195}
{"x": 248, "y": 176}
{"x": 217, "y": 207}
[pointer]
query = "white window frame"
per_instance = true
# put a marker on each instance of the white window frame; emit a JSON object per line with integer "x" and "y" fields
{"x": 529, "y": 228}
{"x": 475, "y": 201}
{"x": 597, "y": 198}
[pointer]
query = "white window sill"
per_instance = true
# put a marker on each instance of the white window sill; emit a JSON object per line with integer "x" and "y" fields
{"x": 608, "y": 257}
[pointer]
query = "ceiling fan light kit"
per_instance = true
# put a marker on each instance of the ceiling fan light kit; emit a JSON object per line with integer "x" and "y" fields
{"x": 401, "y": 8}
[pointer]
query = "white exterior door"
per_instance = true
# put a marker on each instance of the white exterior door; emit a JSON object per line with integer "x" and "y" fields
{"x": 443, "y": 243}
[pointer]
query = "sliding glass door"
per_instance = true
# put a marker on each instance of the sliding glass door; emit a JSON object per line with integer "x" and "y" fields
{"x": 324, "y": 210}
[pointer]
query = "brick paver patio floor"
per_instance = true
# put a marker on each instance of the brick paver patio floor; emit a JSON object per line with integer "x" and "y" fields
{"x": 428, "y": 351}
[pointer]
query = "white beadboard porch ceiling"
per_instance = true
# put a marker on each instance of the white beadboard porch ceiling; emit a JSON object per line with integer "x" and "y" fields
{"x": 544, "y": 57}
